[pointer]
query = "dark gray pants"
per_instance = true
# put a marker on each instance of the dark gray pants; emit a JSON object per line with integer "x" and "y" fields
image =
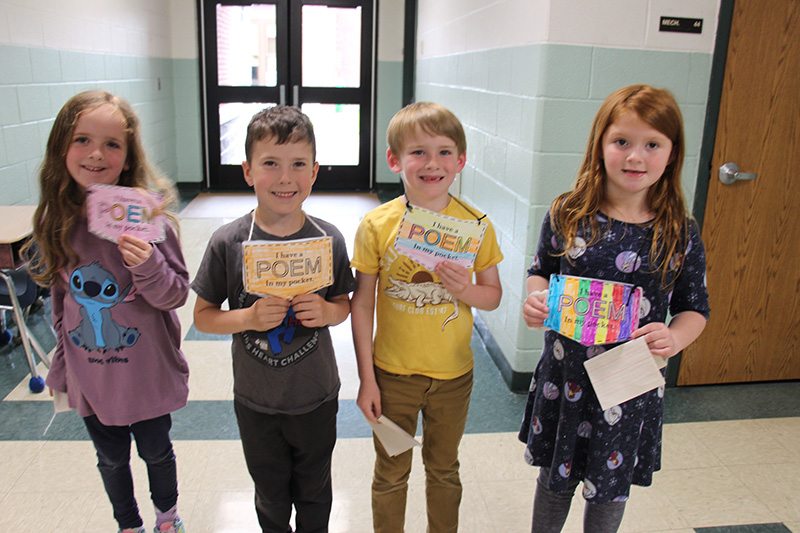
{"x": 289, "y": 459}
{"x": 550, "y": 509}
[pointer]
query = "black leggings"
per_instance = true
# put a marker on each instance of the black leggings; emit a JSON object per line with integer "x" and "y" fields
{"x": 113, "y": 445}
{"x": 550, "y": 509}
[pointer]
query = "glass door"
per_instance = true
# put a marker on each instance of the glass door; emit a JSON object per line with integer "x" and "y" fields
{"x": 316, "y": 55}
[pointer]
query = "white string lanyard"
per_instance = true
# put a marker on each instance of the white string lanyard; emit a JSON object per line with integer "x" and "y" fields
{"x": 313, "y": 223}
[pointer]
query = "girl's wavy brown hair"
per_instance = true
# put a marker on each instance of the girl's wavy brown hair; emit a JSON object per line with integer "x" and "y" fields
{"x": 61, "y": 201}
{"x": 575, "y": 210}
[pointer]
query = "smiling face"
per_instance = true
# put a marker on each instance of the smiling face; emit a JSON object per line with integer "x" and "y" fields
{"x": 635, "y": 156}
{"x": 98, "y": 149}
{"x": 428, "y": 165}
{"x": 282, "y": 176}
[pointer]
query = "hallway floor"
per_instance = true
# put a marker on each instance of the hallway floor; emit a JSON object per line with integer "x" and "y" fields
{"x": 731, "y": 459}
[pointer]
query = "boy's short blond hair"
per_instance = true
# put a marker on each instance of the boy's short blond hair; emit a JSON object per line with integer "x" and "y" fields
{"x": 431, "y": 118}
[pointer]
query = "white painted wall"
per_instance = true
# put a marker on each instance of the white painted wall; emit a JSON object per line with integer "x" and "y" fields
{"x": 183, "y": 29}
{"x": 125, "y": 27}
{"x": 391, "y": 18}
{"x": 456, "y": 26}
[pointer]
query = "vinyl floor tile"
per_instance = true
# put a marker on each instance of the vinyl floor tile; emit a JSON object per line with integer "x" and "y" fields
{"x": 712, "y": 496}
{"x": 684, "y": 449}
{"x": 776, "y": 486}
{"x": 754, "y": 528}
{"x": 742, "y": 442}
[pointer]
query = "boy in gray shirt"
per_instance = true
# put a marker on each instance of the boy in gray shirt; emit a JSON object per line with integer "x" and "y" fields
{"x": 286, "y": 382}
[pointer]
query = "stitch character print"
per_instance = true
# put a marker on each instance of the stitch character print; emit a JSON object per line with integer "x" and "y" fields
{"x": 97, "y": 291}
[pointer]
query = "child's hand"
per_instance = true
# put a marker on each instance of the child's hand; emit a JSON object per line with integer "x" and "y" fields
{"x": 535, "y": 309}
{"x": 369, "y": 400}
{"x": 268, "y": 312}
{"x": 310, "y": 310}
{"x": 660, "y": 339}
{"x": 454, "y": 277}
{"x": 133, "y": 249}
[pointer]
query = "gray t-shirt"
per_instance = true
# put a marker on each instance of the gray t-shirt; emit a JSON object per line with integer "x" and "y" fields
{"x": 290, "y": 369}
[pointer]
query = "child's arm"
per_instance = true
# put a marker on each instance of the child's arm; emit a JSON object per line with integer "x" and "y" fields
{"x": 362, "y": 320}
{"x": 484, "y": 294}
{"x": 667, "y": 341}
{"x": 265, "y": 314}
{"x": 158, "y": 272}
{"x": 535, "y": 309}
{"x": 314, "y": 311}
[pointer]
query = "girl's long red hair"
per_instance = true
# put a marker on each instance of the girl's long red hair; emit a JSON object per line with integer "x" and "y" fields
{"x": 576, "y": 210}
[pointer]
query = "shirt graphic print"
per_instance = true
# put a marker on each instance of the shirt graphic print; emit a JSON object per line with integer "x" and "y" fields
{"x": 282, "y": 346}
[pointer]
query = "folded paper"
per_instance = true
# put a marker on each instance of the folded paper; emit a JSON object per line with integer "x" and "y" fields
{"x": 395, "y": 440}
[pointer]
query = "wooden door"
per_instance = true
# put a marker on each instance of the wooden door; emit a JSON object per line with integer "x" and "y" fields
{"x": 751, "y": 229}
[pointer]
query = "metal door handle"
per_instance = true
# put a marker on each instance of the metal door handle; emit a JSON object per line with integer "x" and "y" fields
{"x": 282, "y": 92}
{"x": 729, "y": 172}
{"x": 296, "y": 96}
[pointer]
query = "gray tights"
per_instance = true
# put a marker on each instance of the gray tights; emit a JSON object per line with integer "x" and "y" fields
{"x": 550, "y": 509}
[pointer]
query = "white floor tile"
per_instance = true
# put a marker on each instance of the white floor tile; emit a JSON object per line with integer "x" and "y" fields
{"x": 776, "y": 486}
{"x": 707, "y": 497}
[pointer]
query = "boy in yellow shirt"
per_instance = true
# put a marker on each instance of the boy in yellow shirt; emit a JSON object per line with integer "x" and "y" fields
{"x": 420, "y": 359}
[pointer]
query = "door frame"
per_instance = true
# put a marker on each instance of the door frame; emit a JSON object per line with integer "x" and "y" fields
{"x": 704, "y": 170}
{"x": 368, "y": 120}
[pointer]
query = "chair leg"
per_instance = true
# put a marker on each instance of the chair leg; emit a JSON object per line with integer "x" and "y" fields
{"x": 5, "y": 335}
{"x": 36, "y": 383}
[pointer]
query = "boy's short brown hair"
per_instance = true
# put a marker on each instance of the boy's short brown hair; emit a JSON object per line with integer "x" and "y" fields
{"x": 431, "y": 118}
{"x": 286, "y": 124}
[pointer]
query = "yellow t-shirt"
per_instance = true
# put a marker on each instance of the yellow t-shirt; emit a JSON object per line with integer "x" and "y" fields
{"x": 419, "y": 327}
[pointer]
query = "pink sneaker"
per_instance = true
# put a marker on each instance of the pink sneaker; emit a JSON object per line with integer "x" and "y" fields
{"x": 175, "y": 526}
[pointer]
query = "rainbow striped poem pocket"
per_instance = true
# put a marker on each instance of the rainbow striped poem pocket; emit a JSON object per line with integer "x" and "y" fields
{"x": 592, "y": 311}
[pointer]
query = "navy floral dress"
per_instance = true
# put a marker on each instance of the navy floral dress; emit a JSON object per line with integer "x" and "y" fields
{"x": 564, "y": 427}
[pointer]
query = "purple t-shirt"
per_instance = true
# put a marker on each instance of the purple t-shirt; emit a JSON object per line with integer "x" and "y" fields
{"x": 118, "y": 353}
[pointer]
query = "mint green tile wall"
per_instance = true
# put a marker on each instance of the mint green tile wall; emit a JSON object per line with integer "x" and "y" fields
{"x": 527, "y": 111}
{"x": 36, "y": 82}
{"x": 188, "y": 132}
{"x": 389, "y": 100}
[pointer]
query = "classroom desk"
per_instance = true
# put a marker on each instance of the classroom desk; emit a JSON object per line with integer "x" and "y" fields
{"x": 16, "y": 226}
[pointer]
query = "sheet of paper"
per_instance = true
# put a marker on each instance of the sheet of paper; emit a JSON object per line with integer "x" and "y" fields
{"x": 287, "y": 268}
{"x": 624, "y": 372}
{"x": 429, "y": 238}
{"x": 60, "y": 402}
{"x": 60, "y": 405}
{"x": 394, "y": 439}
{"x": 114, "y": 211}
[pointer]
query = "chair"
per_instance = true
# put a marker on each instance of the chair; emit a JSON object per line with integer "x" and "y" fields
{"x": 17, "y": 293}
